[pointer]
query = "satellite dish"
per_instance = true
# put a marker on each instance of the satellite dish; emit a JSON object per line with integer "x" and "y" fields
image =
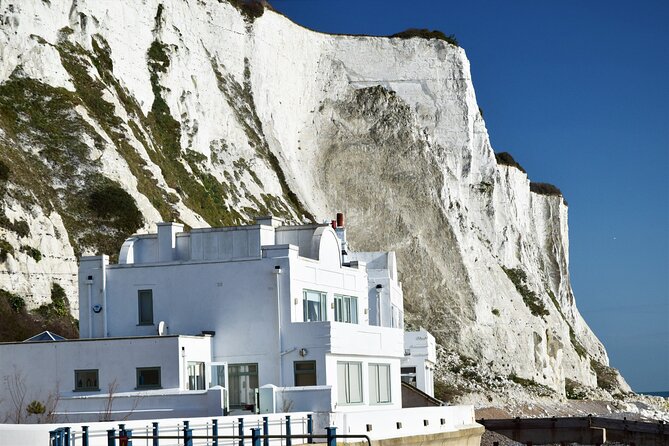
{"x": 162, "y": 328}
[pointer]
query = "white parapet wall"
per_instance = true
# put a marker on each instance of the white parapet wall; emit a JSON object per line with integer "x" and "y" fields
{"x": 377, "y": 425}
{"x": 384, "y": 424}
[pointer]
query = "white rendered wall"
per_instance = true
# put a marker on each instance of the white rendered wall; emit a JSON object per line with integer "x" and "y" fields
{"x": 423, "y": 356}
{"x": 47, "y": 368}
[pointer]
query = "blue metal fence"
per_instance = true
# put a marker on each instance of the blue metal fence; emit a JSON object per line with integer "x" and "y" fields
{"x": 123, "y": 437}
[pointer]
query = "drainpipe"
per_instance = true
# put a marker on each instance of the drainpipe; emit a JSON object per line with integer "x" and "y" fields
{"x": 277, "y": 273}
{"x": 89, "y": 285}
{"x": 379, "y": 290}
{"x": 104, "y": 296}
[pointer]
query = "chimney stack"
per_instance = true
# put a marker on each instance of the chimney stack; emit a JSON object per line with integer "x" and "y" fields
{"x": 340, "y": 220}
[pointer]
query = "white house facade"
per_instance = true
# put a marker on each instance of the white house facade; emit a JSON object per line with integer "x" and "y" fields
{"x": 284, "y": 313}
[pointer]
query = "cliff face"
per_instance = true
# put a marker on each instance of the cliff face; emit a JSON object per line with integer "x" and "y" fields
{"x": 116, "y": 115}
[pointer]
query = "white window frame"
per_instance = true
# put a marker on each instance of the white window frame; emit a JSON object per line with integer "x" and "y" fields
{"x": 346, "y": 308}
{"x": 197, "y": 375}
{"x": 376, "y": 373}
{"x": 345, "y": 395}
{"x": 322, "y": 299}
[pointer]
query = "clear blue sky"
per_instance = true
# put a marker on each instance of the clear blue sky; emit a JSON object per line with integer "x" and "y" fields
{"x": 578, "y": 92}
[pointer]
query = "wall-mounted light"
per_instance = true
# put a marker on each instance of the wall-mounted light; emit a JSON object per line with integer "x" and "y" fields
{"x": 97, "y": 308}
{"x": 303, "y": 352}
{"x": 277, "y": 269}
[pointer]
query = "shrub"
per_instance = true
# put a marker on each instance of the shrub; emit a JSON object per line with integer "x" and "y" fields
{"x": 16, "y": 302}
{"x": 5, "y": 250}
{"x": 544, "y": 189}
{"x": 495, "y": 311}
{"x": 250, "y": 9}
{"x": 426, "y": 34}
{"x": 32, "y": 252}
{"x": 35, "y": 408}
{"x": 4, "y": 172}
{"x": 607, "y": 377}
{"x": 113, "y": 203}
{"x": 532, "y": 385}
{"x": 573, "y": 390}
{"x": 519, "y": 279}
{"x": 505, "y": 159}
{"x": 446, "y": 392}
{"x": 59, "y": 306}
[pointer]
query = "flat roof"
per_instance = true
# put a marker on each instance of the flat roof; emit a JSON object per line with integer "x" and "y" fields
{"x": 115, "y": 338}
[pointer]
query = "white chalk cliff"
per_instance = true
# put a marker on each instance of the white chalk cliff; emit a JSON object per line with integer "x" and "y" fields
{"x": 207, "y": 115}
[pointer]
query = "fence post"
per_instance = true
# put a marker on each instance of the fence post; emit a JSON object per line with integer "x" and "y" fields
{"x": 186, "y": 427}
{"x": 331, "y": 434}
{"x": 121, "y": 429}
{"x": 310, "y": 428}
{"x": 255, "y": 436}
{"x": 289, "y": 441}
{"x": 188, "y": 437}
{"x": 214, "y": 432}
{"x": 111, "y": 433}
{"x": 66, "y": 434}
{"x": 265, "y": 430}
{"x": 59, "y": 436}
{"x": 52, "y": 436}
{"x": 128, "y": 437}
{"x": 241, "y": 431}
{"x": 154, "y": 433}
{"x": 84, "y": 435}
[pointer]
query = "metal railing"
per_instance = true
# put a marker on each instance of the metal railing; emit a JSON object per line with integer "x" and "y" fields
{"x": 289, "y": 428}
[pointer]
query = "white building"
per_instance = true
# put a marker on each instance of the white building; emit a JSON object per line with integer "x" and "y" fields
{"x": 287, "y": 307}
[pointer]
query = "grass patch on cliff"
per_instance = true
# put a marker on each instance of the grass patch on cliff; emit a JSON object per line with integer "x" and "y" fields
{"x": 530, "y": 298}
{"x": 573, "y": 390}
{"x": 505, "y": 159}
{"x": 427, "y": 34}
{"x": 545, "y": 189}
{"x": 250, "y": 9}
{"x": 6, "y": 249}
{"x": 607, "y": 377}
{"x": 62, "y": 175}
{"x": 35, "y": 253}
{"x": 240, "y": 99}
{"x": 446, "y": 391}
{"x": 531, "y": 385}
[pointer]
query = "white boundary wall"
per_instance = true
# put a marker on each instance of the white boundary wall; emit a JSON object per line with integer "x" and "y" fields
{"x": 383, "y": 424}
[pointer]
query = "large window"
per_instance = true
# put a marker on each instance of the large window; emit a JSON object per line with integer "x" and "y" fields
{"x": 349, "y": 382}
{"x": 196, "y": 376}
{"x": 145, "y": 307}
{"x": 379, "y": 383}
{"x": 305, "y": 373}
{"x": 243, "y": 380}
{"x": 86, "y": 380}
{"x": 314, "y": 306}
{"x": 346, "y": 309}
{"x": 148, "y": 377}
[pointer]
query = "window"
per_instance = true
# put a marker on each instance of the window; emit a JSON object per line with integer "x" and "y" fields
{"x": 196, "y": 376}
{"x": 243, "y": 380}
{"x": 86, "y": 380}
{"x": 346, "y": 309}
{"x": 349, "y": 382}
{"x": 379, "y": 383}
{"x": 148, "y": 377}
{"x": 409, "y": 375}
{"x": 314, "y": 306}
{"x": 305, "y": 373}
{"x": 145, "y": 305}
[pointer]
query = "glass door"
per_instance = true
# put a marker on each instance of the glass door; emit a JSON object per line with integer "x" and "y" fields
{"x": 243, "y": 380}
